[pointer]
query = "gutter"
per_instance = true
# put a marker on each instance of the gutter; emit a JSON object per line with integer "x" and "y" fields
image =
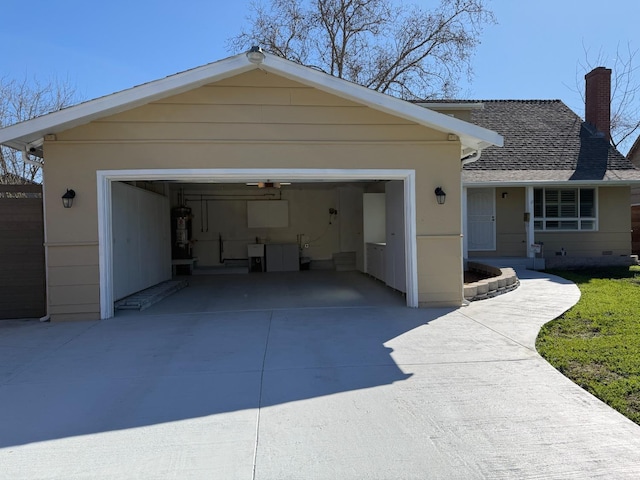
{"x": 474, "y": 157}
{"x": 563, "y": 183}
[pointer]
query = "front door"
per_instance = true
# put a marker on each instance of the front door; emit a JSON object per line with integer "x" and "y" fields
{"x": 481, "y": 219}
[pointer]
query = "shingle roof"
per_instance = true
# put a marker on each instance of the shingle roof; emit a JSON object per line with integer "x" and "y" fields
{"x": 544, "y": 140}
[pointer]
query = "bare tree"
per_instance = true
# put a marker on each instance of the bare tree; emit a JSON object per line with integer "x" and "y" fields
{"x": 398, "y": 48}
{"x": 24, "y": 100}
{"x": 625, "y": 92}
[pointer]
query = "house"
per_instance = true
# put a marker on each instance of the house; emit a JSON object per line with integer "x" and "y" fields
{"x": 634, "y": 156}
{"x": 557, "y": 193}
{"x": 249, "y": 157}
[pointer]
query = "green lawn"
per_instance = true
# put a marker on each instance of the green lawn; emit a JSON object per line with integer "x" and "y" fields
{"x": 597, "y": 343}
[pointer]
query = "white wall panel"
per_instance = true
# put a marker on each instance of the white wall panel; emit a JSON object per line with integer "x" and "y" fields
{"x": 141, "y": 239}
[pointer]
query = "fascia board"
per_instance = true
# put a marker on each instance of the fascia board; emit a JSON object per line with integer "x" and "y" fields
{"x": 20, "y": 134}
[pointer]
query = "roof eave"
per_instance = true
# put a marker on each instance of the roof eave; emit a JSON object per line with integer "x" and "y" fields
{"x": 541, "y": 183}
{"x": 22, "y": 134}
{"x": 471, "y": 136}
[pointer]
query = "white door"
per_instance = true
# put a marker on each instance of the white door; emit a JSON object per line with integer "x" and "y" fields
{"x": 395, "y": 268}
{"x": 481, "y": 219}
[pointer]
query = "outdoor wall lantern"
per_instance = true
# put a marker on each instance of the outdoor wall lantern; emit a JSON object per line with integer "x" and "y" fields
{"x": 440, "y": 195}
{"x": 67, "y": 198}
{"x": 255, "y": 55}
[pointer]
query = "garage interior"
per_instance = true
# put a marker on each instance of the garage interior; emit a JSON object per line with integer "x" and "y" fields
{"x": 260, "y": 244}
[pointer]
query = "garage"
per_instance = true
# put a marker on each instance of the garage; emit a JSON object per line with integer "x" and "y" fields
{"x": 207, "y": 140}
{"x": 290, "y": 222}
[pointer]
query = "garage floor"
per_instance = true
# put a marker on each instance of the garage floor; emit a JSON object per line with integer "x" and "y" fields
{"x": 275, "y": 291}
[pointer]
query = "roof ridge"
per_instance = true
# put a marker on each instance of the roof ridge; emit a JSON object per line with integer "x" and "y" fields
{"x": 533, "y": 100}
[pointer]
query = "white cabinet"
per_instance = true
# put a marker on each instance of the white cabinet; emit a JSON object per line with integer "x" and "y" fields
{"x": 282, "y": 257}
{"x": 375, "y": 260}
{"x": 395, "y": 266}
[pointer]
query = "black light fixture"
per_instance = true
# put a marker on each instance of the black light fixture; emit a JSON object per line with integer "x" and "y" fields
{"x": 67, "y": 198}
{"x": 440, "y": 195}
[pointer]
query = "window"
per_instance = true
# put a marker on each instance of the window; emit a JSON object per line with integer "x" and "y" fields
{"x": 557, "y": 209}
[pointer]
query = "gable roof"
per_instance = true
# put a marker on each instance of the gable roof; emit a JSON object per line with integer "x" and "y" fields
{"x": 29, "y": 134}
{"x": 634, "y": 152}
{"x": 544, "y": 141}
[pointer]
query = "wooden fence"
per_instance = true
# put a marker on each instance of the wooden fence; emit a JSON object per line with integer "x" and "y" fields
{"x": 22, "y": 269}
{"x": 635, "y": 229}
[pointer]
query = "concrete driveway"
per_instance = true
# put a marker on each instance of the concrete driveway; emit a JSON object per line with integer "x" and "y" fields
{"x": 312, "y": 393}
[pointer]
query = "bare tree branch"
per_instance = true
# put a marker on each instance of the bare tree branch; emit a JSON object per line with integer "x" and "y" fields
{"x": 625, "y": 91}
{"x": 398, "y": 48}
{"x": 21, "y": 100}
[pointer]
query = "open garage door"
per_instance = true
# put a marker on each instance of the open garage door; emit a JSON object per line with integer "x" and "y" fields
{"x": 317, "y": 219}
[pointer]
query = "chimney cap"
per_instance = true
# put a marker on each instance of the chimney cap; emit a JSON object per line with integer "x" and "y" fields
{"x": 598, "y": 71}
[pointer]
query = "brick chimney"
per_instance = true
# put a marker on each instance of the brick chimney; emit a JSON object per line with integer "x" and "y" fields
{"x": 597, "y": 109}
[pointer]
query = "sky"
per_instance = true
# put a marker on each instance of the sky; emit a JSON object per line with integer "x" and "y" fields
{"x": 533, "y": 52}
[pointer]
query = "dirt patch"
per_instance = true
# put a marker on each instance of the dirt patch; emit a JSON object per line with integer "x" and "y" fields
{"x": 591, "y": 372}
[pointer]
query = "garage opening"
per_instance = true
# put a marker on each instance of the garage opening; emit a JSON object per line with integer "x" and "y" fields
{"x": 264, "y": 240}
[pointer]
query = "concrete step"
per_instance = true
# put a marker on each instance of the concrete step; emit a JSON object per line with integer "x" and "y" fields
{"x": 149, "y": 296}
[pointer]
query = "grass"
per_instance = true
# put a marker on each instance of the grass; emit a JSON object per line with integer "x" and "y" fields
{"x": 597, "y": 342}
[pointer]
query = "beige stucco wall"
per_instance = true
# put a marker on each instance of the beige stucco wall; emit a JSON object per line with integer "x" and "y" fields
{"x": 614, "y": 229}
{"x": 255, "y": 120}
{"x": 613, "y": 236}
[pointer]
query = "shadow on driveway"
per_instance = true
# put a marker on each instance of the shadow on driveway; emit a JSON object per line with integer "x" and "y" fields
{"x": 64, "y": 380}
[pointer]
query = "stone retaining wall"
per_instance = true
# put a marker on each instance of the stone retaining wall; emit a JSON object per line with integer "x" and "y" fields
{"x": 502, "y": 280}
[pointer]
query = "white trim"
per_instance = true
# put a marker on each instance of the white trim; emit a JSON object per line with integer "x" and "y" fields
{"x": 105, "y": 177}
{"x": 411, "y": 245}
{"x": 465, "y": 225}
{"x": 105, "y": 244}
{"x": 530, "y": 226}
{"x": 19, "y": 135}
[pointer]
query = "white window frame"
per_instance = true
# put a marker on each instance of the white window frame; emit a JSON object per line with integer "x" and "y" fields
{"x": 544, "y": 219}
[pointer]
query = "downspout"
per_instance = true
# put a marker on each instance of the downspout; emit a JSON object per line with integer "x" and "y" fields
{"x": 47, "y": 316}
{"x": 474, "y": 157}
{"x": 26, "y": 159}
